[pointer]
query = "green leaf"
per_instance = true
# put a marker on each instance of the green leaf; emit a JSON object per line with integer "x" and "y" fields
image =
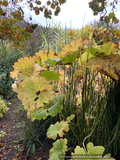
{"x": 50, "y": 75}
{"x": 39, "y": 2}
{"x": 78, "y": 151}
{"x": 59, "y": 148}
{"x": 93, "y": 51}
{"x": 93, "y": 153}
{"x": 70, "y": 118}
{"x": 69, "y": 58}
{"x": 97, "y": 150}
{"x": 52, "y": 111}
{"x": 57, "y": 128}
{"x": 107, "y": 19}
{"x": 55, "y": 109}
{"x": 41, "y": 113}
{"x": 85, "y": 56}
{"x": 1, "y": 11}
{"x": 52, "y": 62}
{"x": 111, "y": 15}
{"x": 59, "y": 98}
{"x": 108, "y": 48}
{"x": 108, "y": 157}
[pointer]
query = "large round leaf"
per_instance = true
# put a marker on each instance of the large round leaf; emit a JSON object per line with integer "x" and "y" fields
{"x": 24, "y": 63}
{"x": 59, "y": 148}
{"x": 109, "y": 65}
{"x": 34, "y": 92}
{"x": 57, "y": 128}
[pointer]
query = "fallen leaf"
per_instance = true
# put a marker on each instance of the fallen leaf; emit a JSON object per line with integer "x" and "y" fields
{"x": 14, "y": 127}
{"x": 40, "y": 158}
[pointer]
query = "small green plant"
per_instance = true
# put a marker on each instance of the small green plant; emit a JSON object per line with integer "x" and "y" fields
{"x": 20, "y": 124}
{"x": 14, "y": 99}
{"x": 3, "y": 107}
{"x": 19, "y": 148}
{"x": 20, "y": 109}
{"x": 31, "y": 137}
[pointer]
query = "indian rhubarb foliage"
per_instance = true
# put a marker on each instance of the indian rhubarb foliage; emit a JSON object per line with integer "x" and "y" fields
{"x": 103, "y": 65}
{"x": 93, "y": 152}
{"x": 36, "y": 80}
{"x": 33, "y": 89}
{"x": 60, "y": 146}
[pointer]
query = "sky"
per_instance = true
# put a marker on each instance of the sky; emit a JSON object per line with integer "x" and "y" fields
{"x": 74, "y": 14}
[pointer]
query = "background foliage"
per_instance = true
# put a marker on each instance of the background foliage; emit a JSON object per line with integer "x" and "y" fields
{"x": 8, "y": 56}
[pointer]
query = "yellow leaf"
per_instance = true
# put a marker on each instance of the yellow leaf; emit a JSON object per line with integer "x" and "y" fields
{"x": 109, "y": 48}
{"x": 73, "y": 46}
{"x": 109, "y": 65}
{"x": 14, "y": 73}
{"x": 24, "y": 63}
{"x": 44, "y": 55}
{"x": 31, "y": 71}
{"x": 34, "y": 92}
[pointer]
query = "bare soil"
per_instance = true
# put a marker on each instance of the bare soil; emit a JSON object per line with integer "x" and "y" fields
{"x": 11, "y": 146}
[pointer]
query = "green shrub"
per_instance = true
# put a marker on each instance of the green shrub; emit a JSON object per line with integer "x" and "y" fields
{"x": 8, "y": 57}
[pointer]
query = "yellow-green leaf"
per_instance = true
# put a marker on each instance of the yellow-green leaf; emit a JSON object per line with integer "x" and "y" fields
{"x": 50, "y": 75}
{"x": 59, "y": 148}
{"x": 34, "y": 92}
{"x": 109, "y": 65}
{"x": 109, "y": 48}
{"x": 24, "y": 63}
{"x": 57, "y": 128}
{"x": 73, "y": 46}
{"x": 70, "y": 118}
